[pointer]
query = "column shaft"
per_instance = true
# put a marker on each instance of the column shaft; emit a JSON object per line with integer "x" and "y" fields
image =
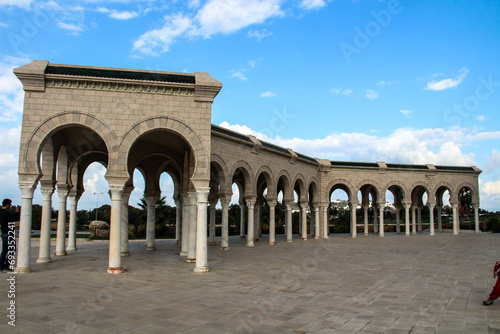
{"x": 250, "y": 237}
{"x": 431, "y": 218}
{"x": 272, "y": 222}
{"x": 303, "y": 213}
{"x": 201, "y": 231}
{"x": 124, "y": 224}
{"x": 73, "y": 200}
{"x": 24, "y": 243}
{"x": 61, "y": 224}
{"x": 151, "y": 222}
{"x": 44, "y": 251}
{"x": 191, "y": 256}
{"x": 185, "y": 225}
{"x": 225, "y": 225}
{"x": 115, "y": 259}
{"x": 316, "y": 222}
{"x": 211, "y": 232}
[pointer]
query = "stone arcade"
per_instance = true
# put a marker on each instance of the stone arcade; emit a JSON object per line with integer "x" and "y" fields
{"x": 161, "y": 122}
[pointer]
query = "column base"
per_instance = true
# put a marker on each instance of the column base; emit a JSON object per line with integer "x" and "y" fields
{"x": 44, "y": 260}
{"x": 224, "y": 248}
{"x": 381, "y": 235}
{"x": 242, "y": 236}
{"x": 432, "y": 234}
{"x": 151, "y": 248}
{"x": 201, "y": 269}
{"x": 115, "y": 270}
{"x": 22, "y": 270}
{"x": 354, "y": 236}
{"x": 183, "y": 253}
{"x": 127, "y": 253}
{"x": 60, "y": 253}
{"x": 326, "y": 237}
{"x": 250, "y": 245}
{"x": 407, "y": 234}
{"x": 190, "y": 260}
{"x": 212, "y": 243}
{"x": 272, "y": 243}
{"x": 289, "y": 240}
{"x": 366, "y": 234}
{"x": 317, "y": 238}
{"x": 71, "y": 248}
{"x": 304, "y": 238}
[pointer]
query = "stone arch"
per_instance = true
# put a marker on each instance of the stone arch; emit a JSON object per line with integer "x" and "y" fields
{"x": 392, "y": 186}
{"x": 300, "y": 181}
{"x": 373, "y": 185}
{"x": 247, "y": 172}
{"x": 56, "y": 122}
{"x": 221, "y": 173}
{"x": 179, "y": 127}
{"x": 287, "y": 185}
{"x": 267, "y": 173}
{"x": 342, "y": 184}
{"x": 473, "y": 189}
{"x": 440, "y": 189}
{"x": 312, "y": 186}
{"x": 415, "y": 196}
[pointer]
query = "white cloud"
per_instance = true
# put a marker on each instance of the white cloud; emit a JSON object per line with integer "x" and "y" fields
{"x": 312, "y": 4}
{"x": 448, "y": 83}
{"x": 492, "y": 188}
{"x": 268, "y": 94}
{"x": 216, "y": 16}
{"x": 406, "y": 112}
{"x": 493, "y": 162}
{"x": 26, "y": 4}
{"x": 371, "y": 94}
{"x": 11, "y": 89}
{"x": 119, "y": 15}
{"x": 239, "y": 75}
{"x": 384, "y": 83}
{"x": 74, "y": 28}
{"x": 259, "y": 34}
{"x": 481, "y": 118}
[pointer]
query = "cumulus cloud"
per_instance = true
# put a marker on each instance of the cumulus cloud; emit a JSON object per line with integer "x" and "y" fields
{"x": 448, "y": 83}
{"x": 11, "y": 89}
{"x": 268, "y": 94}
{"x": 492, "y": 188}
{"x": 73, "y": 28}
{"x": 214, "y": 17}
{"x": 312, "y": 4}
{"x": 25, "y": 4}
{"x": 119, "y": 15}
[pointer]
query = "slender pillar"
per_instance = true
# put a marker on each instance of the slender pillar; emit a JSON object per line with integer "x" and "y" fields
{"x": 288, "y": 222}
{"x": 242, "y": 219}
{"x": 312, "y": 220}
{"x": 303, "y": 213}
{"x": 316, "y": 222}
{"x": 256, "y": 221}
{"x": 398, "y": 219}
{"x": 476, "y": 217}
{"x": 178, "y": 213}
{"x": 454, "y": 206}
{"x": 354, "y": 232}
{"x": 381, "y": 218}
{"x": 191, "y": 254}
{"x": 272, "y": 222}
{"x": 250, "y": 239}
{"x": 407, "y": 219}
{"x": 326, "y": 223}
{"x": 431, "y": 217}
{"x": 419, "y": 216}
{"x": 44, "y": 251}
{"x": 151, "y": 222}
{"x": 61, "y": 223}
{"x": 201, "y": 230}
{"x": 365, "y": 218}
{"x": 115, "y": 259}
{"x": 211, "y": 233}
{"x": 225, "y": 223}
{"x": 375, "y": 220}
{"x": 439, "y": 210}
{"x": 124, "y": 222}
{"x": 413, "y": 219}
{"x": 73, "y": 200}
{"x": 185, "y": 225}
{"x": 24, "y": 243}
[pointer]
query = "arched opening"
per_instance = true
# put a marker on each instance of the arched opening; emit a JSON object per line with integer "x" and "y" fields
{"x": 339, "y": 213}
{"x": 394, "y": 196}
{"x": 419, "y": 214}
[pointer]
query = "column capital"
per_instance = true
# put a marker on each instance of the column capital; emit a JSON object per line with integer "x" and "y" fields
{"x": 303, "y": 206}
{"x": 47, "y": 190}
{"x": 431, "y": 205}
{"x": 272, "y": 203}
{"x": 202, "y": 194}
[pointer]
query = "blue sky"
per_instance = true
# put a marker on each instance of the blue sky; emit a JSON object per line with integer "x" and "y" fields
{"x": 394, "y": 81}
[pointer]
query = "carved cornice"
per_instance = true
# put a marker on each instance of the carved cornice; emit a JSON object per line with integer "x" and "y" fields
{"x": 54, "y": 81}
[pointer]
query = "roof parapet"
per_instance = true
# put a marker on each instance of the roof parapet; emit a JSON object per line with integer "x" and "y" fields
{"x": 324, "y": 165}
{"x": 206, "y": 88}
{"x": 382, "y": 167}
{"x": 294, "y": 155}
{"x": 32, "y": 75}
{"x": 257, "y": 145}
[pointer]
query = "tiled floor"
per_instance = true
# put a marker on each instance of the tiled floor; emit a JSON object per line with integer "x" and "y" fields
{"x": 395, "y": 284}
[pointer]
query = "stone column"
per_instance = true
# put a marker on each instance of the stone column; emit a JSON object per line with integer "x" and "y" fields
{"x": 178, "y": 213}
{"x": 73, "y": 200}
{"x": 454, "y": 206}
{"x": 375, "y": 220}
{"x": 316, "y": 222}
{"x": 272, "y": 222}
{"x": 365, "y": 217}
{"x": 211, "y": 233}
{"x": 407, "y": 219}
{"x": 256, "y": 221}
{"x": 431, "y": 217}
{"x": 398, "y": 219}
{"x": 201, "y": 230}
{"x": 326, "y": 223}
{"x": 288, "y": 222}
{"x": 242, "y": 219}
{"x": 191, "y": 256}
{"x": 24, "y": 243}
{"x": 151, "y": 222}
{"x": 413, "y": 219}
{"x": 352, "y": 207}
{"x": 250, "y": 237}
{"x": 476, "y": 217}
{"x": 115, "y": 259}
{"x": 381, "y": 218}
{"x": 124, "y": 221}
{"x": 44, "y": 251}
{"x": 419, "y": 216}
{"x": 440, "y": 218}
{"x": 185, "y": 225}
{"x": 303, "y": 213}
{"x": 61, "y": 223}
{"x": 312, "y": 220}
{"x": 225, "y": 223}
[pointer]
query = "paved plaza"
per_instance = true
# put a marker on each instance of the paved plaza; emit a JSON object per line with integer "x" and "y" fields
{"x": 395, "y": 284}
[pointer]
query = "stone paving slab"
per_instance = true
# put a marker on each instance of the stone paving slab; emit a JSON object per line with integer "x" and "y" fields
{"x": 395, "y": 284}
